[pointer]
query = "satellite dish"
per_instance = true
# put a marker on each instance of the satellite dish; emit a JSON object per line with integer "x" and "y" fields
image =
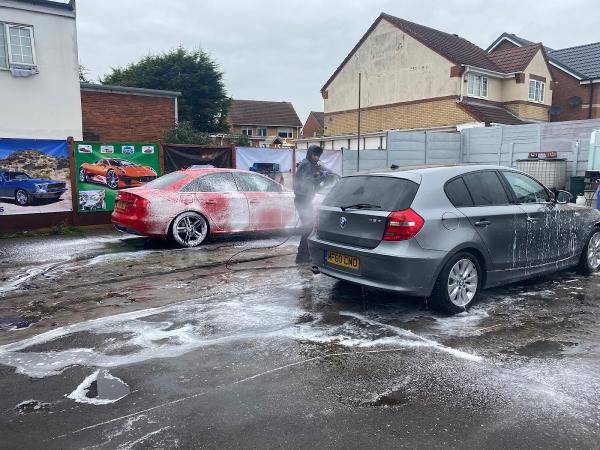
{"x": 555, "y": 110}
{"x": 574, "y": 101}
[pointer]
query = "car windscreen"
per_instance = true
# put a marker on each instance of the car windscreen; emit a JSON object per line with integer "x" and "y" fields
{"x": 389, "y": 193}
{"x": 122, "y": 163}
{"x": 19, "y": 176}
{"x": 165, "y": 181}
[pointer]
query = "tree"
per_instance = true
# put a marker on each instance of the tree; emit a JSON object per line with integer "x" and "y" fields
{"x": 184, "y": 133}
{"x": 83, "y": 74}
{"x": 203, "y": 102}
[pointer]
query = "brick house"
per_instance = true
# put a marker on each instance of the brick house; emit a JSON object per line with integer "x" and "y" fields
{"x": 576, "y": 74}
{"x": 416, "y": 77}
{"x": 313, "y": 125}
{"x": 265, "y": 123}
{"x": 126, "y": 114}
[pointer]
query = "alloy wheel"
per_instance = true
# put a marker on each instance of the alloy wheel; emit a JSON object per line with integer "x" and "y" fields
{"x": 190, "y": 230}
{"x": 462, "y": 282}
{"x": 82, "y": 176}
{"x": 21, "y": 197}
{"x": 593, "y": 253}
{"x": 112, "y": 180}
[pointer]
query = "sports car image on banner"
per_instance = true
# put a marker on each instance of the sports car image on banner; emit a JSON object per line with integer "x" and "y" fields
{"x": 116, "y": 173}
{"x": 102, "y": 168}
{"x": 34, "y": 176}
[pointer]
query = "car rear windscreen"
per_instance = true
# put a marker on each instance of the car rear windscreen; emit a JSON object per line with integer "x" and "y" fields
{"x": 165, "y": 180}
{"x": 390, "y": 193}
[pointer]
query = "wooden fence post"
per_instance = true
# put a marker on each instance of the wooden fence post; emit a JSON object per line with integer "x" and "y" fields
{"x": 74, "y": 202}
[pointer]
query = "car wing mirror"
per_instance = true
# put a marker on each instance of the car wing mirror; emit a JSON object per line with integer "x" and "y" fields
{"x": 563, "y": 197}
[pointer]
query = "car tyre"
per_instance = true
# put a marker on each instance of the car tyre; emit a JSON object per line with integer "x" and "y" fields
{"x": 22, "y": 197}
{"x": 458, "y": 284}
{"x": 189, "y": 229}
{"x": 589, "y": 262}
{"x": 112, "y": 179}
{"x": 83, "y": 177}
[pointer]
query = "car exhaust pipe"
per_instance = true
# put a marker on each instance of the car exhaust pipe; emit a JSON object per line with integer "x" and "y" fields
{"x": 315, "y": 270}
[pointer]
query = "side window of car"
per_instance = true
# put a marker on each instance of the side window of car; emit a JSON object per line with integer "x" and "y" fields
{"x": 214, "y": 182}
{"x": 526, "y": 189}
{"x": 485, "y": 188}
{"x": 255, "y": 183}
{"x": 457, "y": 193}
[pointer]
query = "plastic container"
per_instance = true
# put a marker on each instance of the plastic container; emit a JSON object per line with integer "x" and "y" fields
{"x": 580, "y": 200}
{"x": 577, "y": 186}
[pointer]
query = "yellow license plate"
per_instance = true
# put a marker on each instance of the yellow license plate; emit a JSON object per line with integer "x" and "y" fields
{"x": 339, "y": 259}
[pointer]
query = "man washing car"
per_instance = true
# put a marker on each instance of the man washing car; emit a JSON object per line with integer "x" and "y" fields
{"x": 308, "y": 176}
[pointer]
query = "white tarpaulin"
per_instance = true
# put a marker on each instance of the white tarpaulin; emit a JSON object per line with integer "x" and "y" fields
{"x": 246, "y": 156}
{"x": 332, "y": 159}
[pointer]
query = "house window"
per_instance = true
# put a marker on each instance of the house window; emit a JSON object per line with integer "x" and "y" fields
{"x": 16, "y": 45}
{"x": 477, "y": 86}
{"x": 536, "y": 91}
{"x": 247, "y": 131}
{"x": 286, "y": 133}
{"x": 262, "y": 132}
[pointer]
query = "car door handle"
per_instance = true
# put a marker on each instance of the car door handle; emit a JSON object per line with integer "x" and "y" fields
{"x": 532, "y": 219}
{"x": 253, "y": 202}
{"x": 210, "y": 202}
{"x": 483, "y": 223}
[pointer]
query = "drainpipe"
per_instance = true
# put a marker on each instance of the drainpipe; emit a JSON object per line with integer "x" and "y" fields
{"x": 591, "y": 98}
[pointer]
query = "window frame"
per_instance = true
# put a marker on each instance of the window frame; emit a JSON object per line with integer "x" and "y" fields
{"x": 474, "y": 79}
{"x": 239, "y": 177}
{"x": 203, "y": 177}
{"x": 539, "y": 91}
{"x": 258, "y": 129}
{"x": 247, "y": 131}
{"x": 503, "y": 182}
{"x": 291, "y": 132}
{"x": 513, "y": 194}
{"x": 6, "y": 26}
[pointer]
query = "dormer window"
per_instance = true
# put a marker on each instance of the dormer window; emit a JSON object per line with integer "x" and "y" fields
{"x": 477, "y": 86}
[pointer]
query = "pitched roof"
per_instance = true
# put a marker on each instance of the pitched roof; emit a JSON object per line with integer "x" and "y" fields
{"x": 451, "y": 46}
{"x": 489, "y": 113}
{"x": 583, "y": 59}
{"x": 319, "y": 116}
{"x": 70, "y": 6}
{"x": 255, "y": 112}
{"x": 515, "y": 59}
{"x": 521, "y": 42}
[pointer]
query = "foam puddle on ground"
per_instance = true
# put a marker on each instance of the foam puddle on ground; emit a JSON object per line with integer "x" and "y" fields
{"x": 100, "y": 388}
{"x": 176, "y": 329}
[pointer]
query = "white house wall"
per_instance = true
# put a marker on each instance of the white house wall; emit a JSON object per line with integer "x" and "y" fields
{"x": 395, "y": 68}
{"x": 46, "y": 105}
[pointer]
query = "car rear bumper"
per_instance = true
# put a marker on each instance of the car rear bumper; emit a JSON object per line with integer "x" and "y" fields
{"x": 402, "y": 267}
{"x": 141, "y": 226}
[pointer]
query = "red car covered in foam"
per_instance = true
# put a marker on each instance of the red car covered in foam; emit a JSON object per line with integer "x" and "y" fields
{"x": 192, "y": 204}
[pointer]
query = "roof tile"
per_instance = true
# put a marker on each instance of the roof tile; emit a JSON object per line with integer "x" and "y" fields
{"x": 489, "y": 113}
{"x": 515, "y": 59}
{"x": 255, "y": 112}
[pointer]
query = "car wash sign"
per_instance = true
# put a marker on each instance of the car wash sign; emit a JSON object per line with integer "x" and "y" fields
{"x": 102, "y": 169}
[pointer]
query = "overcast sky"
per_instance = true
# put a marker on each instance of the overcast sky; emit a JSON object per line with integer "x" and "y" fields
{"x": 286, "y": 50}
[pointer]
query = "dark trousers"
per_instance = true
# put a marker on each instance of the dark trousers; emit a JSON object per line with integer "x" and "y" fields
{"x": 305, "y": 210}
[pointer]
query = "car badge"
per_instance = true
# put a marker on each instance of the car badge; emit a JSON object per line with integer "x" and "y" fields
{"x": 343, "y": 222}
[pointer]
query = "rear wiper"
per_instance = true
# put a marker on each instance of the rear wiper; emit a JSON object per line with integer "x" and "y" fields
{"x": 360, "y": 206}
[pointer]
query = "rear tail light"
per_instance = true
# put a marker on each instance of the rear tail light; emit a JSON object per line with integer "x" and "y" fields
{"x": 141, "y": 203}
{"x": 402, "y": 225}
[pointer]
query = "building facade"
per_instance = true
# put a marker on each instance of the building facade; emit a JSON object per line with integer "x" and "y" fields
{"x": 39, "y": 70}
{"x": 313, "y": 125}
{"x": 416, "y": 77}
{"x": 265, "y": 123}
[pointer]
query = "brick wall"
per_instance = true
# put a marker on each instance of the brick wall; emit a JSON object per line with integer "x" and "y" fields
{"x": 504, "y": 45}
{"x": 422, "y": 114}
{"x": 564, "y": 88}
{"x": 111, "y": 116}
{"x": 527, "y": 110}
{"x": 312, "y": 127}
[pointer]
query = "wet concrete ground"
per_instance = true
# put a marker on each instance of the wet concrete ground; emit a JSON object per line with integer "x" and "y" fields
{"x": 135, "y": 344}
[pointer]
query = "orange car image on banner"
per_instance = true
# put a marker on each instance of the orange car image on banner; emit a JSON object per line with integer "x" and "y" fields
{"x": 104, "y": 168}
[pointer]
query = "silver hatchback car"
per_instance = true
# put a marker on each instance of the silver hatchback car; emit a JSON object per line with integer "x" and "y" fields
{"x": 448, "y": 232}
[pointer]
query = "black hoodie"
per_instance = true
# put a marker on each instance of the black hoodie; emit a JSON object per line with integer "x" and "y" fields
{"x": 308, "y": 175}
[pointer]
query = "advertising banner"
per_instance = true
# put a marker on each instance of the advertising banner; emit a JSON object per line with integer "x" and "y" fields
{"x": 332, "y": 159}
{"x": 34, "y": 176}
{"x": 104, "y": 168}
{"x": 246, "y": 157}
{"x": 179, "y": 156}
